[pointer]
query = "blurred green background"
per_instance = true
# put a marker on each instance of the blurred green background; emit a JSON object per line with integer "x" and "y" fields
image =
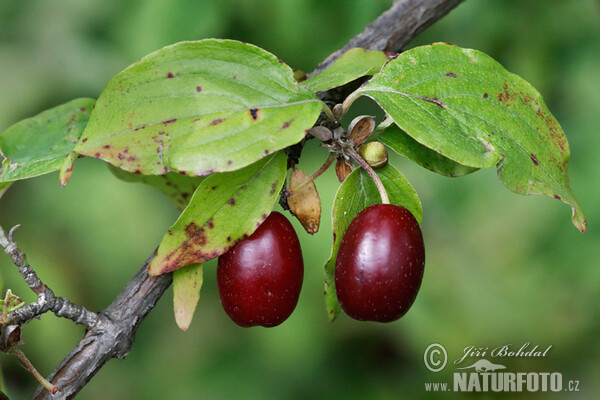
{"x": 501, "y": 268}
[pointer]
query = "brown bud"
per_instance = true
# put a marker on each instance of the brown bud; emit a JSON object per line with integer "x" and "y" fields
{"x": 374, "y": 153}
{"x": 360, "y": 129}
{"x": 322, "y": 133}
{"x": 304, "y": 201}
{"x": 11, "y": 335}
{"x": 342, "y": 169}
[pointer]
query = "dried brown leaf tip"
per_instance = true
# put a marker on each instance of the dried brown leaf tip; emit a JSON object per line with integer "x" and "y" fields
{"x": 342, "y": 169}
{"x": 304, "y": 201}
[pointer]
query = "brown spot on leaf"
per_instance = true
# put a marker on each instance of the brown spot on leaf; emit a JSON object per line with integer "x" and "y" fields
{"x": 231, "y": 201}
{"x": 229, "y": 238}
{"x": 210, "y": 223}
{"x": 557, "y": 197}
{"x": 254, "y": 113}
{"x": 264, "y": 216}
{"x": 169, "y": 121}
{"x": 131, "y": 158}
{"x": 84, "y": 140}
{"x": 433, "y": 101}
{"x": 137, "y": 128}
{"x": 554, "y": 129}
{"x": 198, "y": 89}
{"x": 451, "y": 75}
{"x": 120, "y": 156}
{"x": 505, "y": 97}
{"x": 534, "y": 159}
{"x": 485, "y": 95}
{"x": 266, "y": 152}
{"x": 170, "y": 75}
{"x": 273, "y": 187}
{"x": 106, "y": 146}
{"x": 97, "y": 155}
{"x": 286, "y": 124}
{"x": 229, "y": 162}
{"x": 217, "y": 121}
{"x": 191, "y": 229}
{"x": 137, "y": 172}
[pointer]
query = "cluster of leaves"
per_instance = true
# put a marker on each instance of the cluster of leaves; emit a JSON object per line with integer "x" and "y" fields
{"x": 207, "y": 123}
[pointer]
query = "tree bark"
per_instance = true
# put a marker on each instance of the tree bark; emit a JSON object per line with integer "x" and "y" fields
{"x": 115, "y": 330}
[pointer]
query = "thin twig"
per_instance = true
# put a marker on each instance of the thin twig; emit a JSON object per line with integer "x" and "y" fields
{"x": 47, "y": 385}
{"x": 47, "y": 300}
{"x": 315, "y": 174}
{"x": 382, "y": 192}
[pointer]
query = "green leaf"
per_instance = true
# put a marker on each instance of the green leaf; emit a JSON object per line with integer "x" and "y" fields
{"x": 187, "y": 282}
{"x": 353, "y": 64}
{"x": 397, "y": 140}
{"x": 178, "y": 188}
{"x": 224, "y": 209}
{"x": 197, "y": 108}
{"x": 466, "y": 106}
{"x": 4, "y": 187}
{"x": 39, "y": 145}
{"x": 357, "y": 192}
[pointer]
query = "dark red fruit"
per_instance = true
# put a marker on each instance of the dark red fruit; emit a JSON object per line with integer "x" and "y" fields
{"x": 380, "y": 264}
{"x": 260, "y": 278}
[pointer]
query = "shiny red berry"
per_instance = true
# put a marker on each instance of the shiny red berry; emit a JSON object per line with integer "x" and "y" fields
{"x": 380, "y": 264}
{"x": 259, "y": 279}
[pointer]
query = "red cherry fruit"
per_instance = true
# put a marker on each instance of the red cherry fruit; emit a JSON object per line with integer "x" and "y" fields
{"x": 380, "y": 264}
{"x": 260, "y": 278}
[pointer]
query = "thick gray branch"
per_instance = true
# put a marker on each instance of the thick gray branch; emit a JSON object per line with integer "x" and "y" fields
{"x": 395, "y": 27}
{"x": 114, "y": 333}
{"x": 112, "y": 337}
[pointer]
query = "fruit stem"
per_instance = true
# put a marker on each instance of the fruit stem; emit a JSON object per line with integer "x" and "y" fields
{"x": 49, "y": 387}
{"x": 349, "y": 100}
{"x": 329, "y": 113}
{"x": 315, "y": 174}
{"x": 382, "y": 192}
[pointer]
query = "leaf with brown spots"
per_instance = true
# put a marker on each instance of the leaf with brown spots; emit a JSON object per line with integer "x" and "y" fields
{"x": 179, "y": 188}
{"x": 354, "y": 194}
{"x": 199, "y": 107}
{"x": 225, "y": 208}
{"x": 466, "y": 107}
{"x": 187, "y": 282}
{"x": 44, "y": 143}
